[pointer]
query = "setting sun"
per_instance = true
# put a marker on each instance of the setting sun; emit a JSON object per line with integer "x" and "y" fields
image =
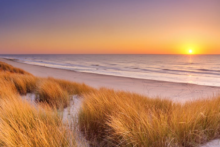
{"x": 190, "y": 51}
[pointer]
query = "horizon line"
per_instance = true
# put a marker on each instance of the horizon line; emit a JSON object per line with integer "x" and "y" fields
{"x": 98, "y": 54}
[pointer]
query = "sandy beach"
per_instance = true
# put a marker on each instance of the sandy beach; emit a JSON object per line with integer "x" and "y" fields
{"x": 178, "y": 92}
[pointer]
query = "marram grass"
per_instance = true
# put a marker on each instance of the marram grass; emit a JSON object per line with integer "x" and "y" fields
{"x": 50, "y": 92}
{"x": 22, "y": 124}
{"x": 126, "y": 119}
{"x": 4, "y": 67}
{"x": 107, "y": 117}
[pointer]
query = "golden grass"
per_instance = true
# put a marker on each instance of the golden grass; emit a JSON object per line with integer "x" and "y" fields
{"x": 126, "y": 119}
{"x": 24, "y": 125}
{"x": 73, "y": 88}
{"x": 8, "y": 68}
{"x": 50, "y": 92}
{"x": 107, "y": 117}
{"x": 7, "y": 89}
{"x": 23, "y": 83}
{"x": 54, "y": 92}
{"x": 58, "y": 92}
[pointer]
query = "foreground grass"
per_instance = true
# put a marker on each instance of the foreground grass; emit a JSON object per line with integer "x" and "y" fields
{"x": 23, "y": 83}
{"x": 118, "y": 118}
{"x": 22, "y": 124}
{"x": 50, "y": 92}
{"x": 107, "y": 117}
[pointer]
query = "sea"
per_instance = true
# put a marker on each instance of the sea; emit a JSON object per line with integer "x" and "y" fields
{"x": 194, "y": 69}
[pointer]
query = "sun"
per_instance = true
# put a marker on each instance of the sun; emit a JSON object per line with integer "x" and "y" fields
{"x": 190, "y": 51}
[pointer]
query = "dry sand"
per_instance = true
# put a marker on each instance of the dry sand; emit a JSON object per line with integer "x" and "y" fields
{"x": 213, "y": 143}
{"x": 175, "y": 91}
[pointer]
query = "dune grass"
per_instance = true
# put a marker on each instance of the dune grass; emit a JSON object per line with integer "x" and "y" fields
{"x": 73, "y": 88}
{"x": 126, "y": 119}
{"x": 24, "y": 125}
{"x": 107, "y": 117}
{"x": 23, "y": 83}
{"x": 53, "y": 91}
{"x": 7, "y": 89}
{"x": 8, "y": 68}
{"x": 50, "y": 92}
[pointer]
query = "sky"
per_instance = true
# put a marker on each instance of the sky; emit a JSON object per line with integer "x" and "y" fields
{"x": 109, "y": 26}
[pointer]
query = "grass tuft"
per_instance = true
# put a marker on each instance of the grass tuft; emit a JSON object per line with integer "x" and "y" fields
{"x": 7, "y": 89}
{"x": 50, "y": 92}
{"x": 23, "y": 83}
{"x": 24, "y": 125}
{"x": 73, "y": 88}
{"x": 126, "y": 119}
{"x": 8, "y": 68}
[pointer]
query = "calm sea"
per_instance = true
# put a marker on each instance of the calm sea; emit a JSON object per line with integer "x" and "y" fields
{"x": 196, "y": 69}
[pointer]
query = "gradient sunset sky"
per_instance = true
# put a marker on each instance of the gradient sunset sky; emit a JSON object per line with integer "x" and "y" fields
{"x": 109, "y": 26}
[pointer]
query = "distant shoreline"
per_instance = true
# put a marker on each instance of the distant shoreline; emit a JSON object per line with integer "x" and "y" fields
{"x": 177, "y": 69}
{"x": 180, "y": 92}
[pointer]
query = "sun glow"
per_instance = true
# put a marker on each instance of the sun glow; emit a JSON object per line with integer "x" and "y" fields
{"x": 190, "y": 51}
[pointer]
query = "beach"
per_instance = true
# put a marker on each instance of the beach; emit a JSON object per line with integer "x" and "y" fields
{"x": 110, "y": 73}
{"x": 177, "y": 92}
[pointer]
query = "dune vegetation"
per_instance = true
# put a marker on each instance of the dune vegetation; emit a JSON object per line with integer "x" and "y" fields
{"x": 50, "y": 92}
{"x": 22, "y": 124}
{"x": 111, "y": 118}
{"x": 8, "y": 68}
{"x": 106, "y": 117}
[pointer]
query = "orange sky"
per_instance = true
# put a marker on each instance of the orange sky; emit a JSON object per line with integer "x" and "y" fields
{"x": 126, "y": 27}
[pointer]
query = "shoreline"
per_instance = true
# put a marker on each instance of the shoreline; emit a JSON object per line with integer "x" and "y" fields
{"x": 178, "y": 92}
{"x": 18, "y": 61}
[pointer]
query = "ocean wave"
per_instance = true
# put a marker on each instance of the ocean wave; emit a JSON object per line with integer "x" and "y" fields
{"x": 144, "y": 67}
{"x": 209, "y": 70}
{"x": 200, "y": 71}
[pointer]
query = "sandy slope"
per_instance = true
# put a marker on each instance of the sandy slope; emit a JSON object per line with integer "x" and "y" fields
{"x": 175, "y": 91}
